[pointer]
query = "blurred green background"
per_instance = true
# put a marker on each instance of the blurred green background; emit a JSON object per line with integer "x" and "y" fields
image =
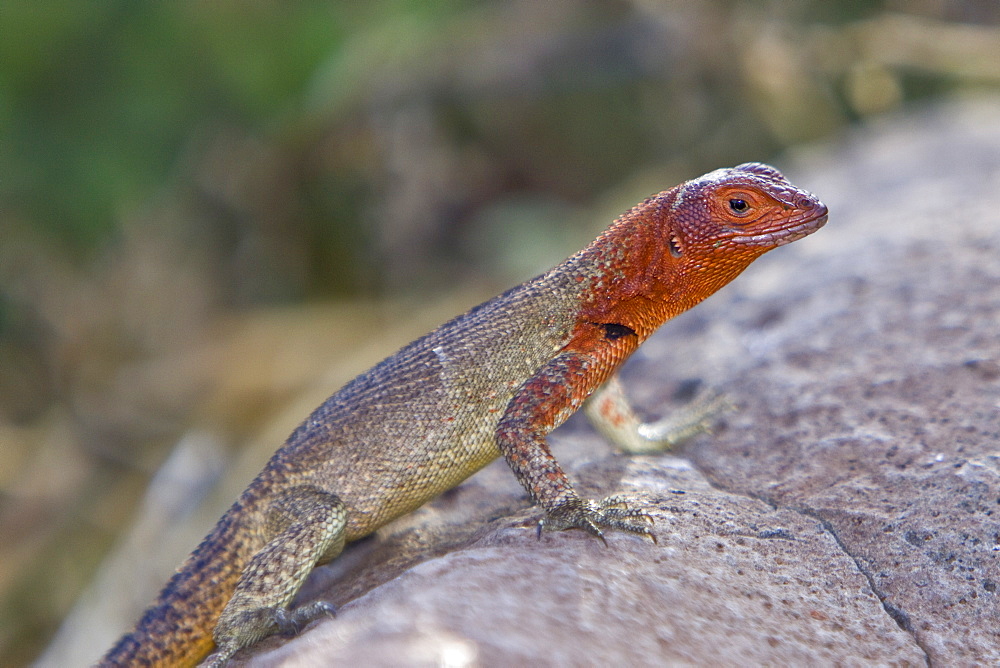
{"x": 174, "y": 174}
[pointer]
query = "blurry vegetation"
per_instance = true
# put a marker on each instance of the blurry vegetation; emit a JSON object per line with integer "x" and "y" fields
{"x": 165, "y": 166}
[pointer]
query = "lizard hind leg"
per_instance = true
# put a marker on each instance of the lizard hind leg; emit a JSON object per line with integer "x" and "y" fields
{"x": 303, "y": 527}
{"x": 609, "y": 410}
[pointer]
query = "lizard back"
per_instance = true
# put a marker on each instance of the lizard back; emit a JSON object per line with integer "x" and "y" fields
{"x": 423, "y": 419}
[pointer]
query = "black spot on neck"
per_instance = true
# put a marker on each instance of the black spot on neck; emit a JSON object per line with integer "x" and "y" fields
{"x": 613, "y": 331}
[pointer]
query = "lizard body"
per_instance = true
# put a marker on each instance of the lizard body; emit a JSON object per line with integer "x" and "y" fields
{"x": 492, "y": 382}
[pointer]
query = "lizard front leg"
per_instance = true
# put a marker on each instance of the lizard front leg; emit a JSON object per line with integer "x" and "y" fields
{"x": 609, "y": 410}
{"x": 303, "y": 527}
{"x": 541, "y": 404}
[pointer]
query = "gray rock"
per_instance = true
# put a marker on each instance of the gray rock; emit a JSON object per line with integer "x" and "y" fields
{"x": 731, "y": 580}
{"x": 848, "y": 512}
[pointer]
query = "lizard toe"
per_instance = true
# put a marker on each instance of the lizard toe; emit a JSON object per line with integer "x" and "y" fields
{"x": 612, "y": 512}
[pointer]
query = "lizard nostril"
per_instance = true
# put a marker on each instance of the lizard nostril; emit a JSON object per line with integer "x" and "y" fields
{"x": 805, "y": 203}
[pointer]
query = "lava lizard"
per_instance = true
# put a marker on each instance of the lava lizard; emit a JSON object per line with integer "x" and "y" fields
{"x": 494, "y": 381}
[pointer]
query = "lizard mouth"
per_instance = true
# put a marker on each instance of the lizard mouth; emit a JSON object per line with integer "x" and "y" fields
{"x": 792, "y": 231}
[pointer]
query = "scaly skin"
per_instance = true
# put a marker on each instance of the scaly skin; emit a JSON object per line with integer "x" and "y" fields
{"x": 492, "y": 382}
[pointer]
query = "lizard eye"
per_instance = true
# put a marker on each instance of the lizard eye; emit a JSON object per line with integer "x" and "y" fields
{"x": 739, "y": 205}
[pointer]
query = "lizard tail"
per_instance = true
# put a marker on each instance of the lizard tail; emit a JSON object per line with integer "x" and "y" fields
{"x": 177, "y": 629}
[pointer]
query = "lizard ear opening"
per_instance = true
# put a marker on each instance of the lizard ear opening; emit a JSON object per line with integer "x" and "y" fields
{"x": 674, "y": 246}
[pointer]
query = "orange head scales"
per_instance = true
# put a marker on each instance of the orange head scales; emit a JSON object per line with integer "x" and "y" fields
{"x": 678, "y": 247}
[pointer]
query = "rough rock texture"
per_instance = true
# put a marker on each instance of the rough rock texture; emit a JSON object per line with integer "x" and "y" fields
{"x": 848, "y": 512}
{"x": 731, "y": 580}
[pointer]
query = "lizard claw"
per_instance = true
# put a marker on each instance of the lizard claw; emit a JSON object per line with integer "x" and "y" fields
{"x": 612, "y": 512}
{"x": 291, "y": 622}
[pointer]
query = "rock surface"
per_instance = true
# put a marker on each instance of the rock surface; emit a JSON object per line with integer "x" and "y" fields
{"x": 848, "y": 512}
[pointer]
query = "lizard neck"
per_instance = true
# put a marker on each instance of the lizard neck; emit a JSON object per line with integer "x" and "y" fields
{"x": 636, "y": 277}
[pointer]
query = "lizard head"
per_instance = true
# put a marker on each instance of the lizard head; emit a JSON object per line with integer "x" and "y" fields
{"x": 745, "y": 210}
{"x": 678, "y": 247}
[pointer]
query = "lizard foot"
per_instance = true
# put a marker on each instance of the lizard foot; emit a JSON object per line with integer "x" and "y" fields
{"x": 293, "y": 621}
{"x": 245, "y": 628}
{"x": 612, "y": 512}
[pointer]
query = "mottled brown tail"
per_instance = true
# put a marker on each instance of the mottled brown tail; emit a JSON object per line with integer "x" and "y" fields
{"x": 177, "y": 629}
